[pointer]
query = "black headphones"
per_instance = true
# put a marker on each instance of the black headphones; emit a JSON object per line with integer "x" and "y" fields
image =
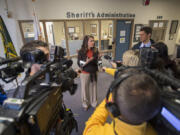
{"x": 112, "y": 107}
{"x": 34, "y": 56}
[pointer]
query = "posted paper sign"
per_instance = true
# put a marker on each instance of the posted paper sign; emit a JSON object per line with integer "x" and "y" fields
{"x": 122, "y": 40}
{"x": 122, "y": 33}
{"x": 161, "y": 24}
{"x": 155, "y": 25}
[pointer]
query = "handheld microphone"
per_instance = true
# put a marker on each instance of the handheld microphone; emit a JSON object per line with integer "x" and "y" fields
{"x": 107, "y": 57}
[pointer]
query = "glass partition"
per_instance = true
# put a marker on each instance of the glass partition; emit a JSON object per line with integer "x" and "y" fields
{"x": 159, "y": 28}
{"x": 75, "y": 36}
{"x": 106, "y": 34}
{"x": 91, "y": 28}
{"x": 56, "y": 33}
{"x": 76, "y": 30}
{"x": 28, "y": 31}
{"x": 42, "y": 31}
{"x": 50, "y": 33}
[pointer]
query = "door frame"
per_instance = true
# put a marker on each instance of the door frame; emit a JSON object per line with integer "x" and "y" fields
{"x": 131, "y": 33}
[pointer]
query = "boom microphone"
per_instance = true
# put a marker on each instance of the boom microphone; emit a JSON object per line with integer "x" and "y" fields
{"x": 163, "y": 78}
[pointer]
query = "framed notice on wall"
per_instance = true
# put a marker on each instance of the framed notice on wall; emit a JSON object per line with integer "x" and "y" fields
{"x": 173, "y": 28}
{"x": 137, "y": 29}
{"x": 110, "y": 30}
{"x": 71, "y": 29}
{"x": 93, "y": 29}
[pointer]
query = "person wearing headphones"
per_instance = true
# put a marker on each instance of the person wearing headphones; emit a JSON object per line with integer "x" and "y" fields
{"x": 133, "y": 98}
{"x": 41, "y": 48}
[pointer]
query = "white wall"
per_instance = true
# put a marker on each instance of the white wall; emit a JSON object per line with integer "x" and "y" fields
{"x": 56, "y": 9}
{"x": 11, "y": 25}
{"x": 178, "y": 36}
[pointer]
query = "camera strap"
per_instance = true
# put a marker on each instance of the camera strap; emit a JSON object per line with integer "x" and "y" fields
{"x": 68, "y": 123}
{"x": 114, "y": 127}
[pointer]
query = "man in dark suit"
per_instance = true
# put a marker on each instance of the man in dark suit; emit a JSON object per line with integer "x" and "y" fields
{"x": 145, "y": 38}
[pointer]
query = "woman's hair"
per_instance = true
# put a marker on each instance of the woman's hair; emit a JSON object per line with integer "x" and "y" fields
{"x": 162, "y": 60}
{"x": 131, "y": 58}
{"x": 84, "y": 46}
{"x": 162, "y": 50}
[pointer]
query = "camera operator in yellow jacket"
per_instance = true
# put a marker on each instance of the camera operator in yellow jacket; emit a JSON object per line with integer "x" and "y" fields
{"x": 135, "y": 103}
{"x": 97, "y": 125}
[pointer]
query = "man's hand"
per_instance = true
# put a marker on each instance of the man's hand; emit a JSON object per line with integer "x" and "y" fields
{"x": 114, "y": 65}
{"x": 103, "y": 69}
{"x": 78, "y": 71}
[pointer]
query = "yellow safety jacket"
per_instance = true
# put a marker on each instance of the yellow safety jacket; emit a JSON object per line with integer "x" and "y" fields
{"x": 96, "y": 125}
{"x": 110, "y": 71}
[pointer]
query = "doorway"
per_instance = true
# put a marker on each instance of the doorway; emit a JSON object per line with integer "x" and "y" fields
{"x": 123, "y": 37}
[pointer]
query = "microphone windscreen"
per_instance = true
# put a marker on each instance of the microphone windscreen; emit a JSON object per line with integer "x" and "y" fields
{"x": 107, "y": 57}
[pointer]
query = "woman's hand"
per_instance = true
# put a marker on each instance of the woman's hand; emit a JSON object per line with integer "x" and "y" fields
{"x": 89, "y": 59}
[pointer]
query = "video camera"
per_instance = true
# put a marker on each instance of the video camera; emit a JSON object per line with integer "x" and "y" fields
{"x": 9, "y": 73}
{"x": 167, "y": 122}
{"x": 12, "y": 70}
{"x": 38, "y": 106}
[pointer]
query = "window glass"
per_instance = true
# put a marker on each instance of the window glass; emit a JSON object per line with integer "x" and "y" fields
{"x": 106, "y": 34}
{"x": 75, "y": 36}
{"x": 158, "y": 29}
{"x": 91, "y": 28}
{"x": 29, "y": 33}
{"x": 56, "y": 34}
